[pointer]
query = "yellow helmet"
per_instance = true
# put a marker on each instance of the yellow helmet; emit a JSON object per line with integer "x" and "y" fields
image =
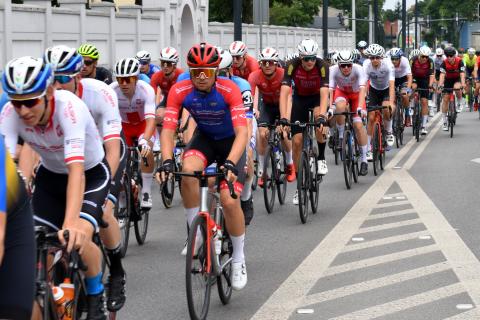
{"x": 89, "y": 50}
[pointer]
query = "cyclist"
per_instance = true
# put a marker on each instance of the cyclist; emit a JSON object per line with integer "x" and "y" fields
{"x": 403, "y": 78}
{"x": 469, "y": 60}
{"x": 217, "y": 107}
{"x": 309, "y": 75}
{"x": 347, "y": 85}
{"x": 422, "y": 70}
{"x": 146, "y": 67}
{"x": 243, "y": 63}
{"x": 267, "y": 82}
{"x": 362, "y": 46}
{"x": 102, "y": 103}
{"x": 413, "y": 54}
{"x": 136, "y": 101}
{"x": 452, "y": 75}
{"x": 72, "y": 182}
{"x": 381, "y": 73}
{"x": 476, "y": 74}
{"x": 461, "y": 53}
{"x": 90, "y": 69}
{"x": 356, "y": 56}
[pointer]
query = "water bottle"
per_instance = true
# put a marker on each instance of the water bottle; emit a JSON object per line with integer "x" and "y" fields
{"x": 277, "y": 158}
{"x": 59, "y": 298}
{"x": 69, "y": 292}
{"x": 217, "y": 234}
{"x": 312, "y": 165}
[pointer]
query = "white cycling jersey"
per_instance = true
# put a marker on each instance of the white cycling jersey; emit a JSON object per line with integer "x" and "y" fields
{"x": 102, "y": 102}
{"x": 381, "y": 76}
{"x": 437, "y": 62}
{"x": 350, "y": 83}
{"x": 140, "y": 107}
{"x": 403, "y": 69}
{"x": 70, "y": 135}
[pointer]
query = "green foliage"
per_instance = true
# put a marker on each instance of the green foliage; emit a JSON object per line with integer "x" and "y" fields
{"x": 298, "y": 13}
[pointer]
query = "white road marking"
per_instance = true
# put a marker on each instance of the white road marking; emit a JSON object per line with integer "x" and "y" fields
{"x": 357, "y": 239}
{"x": 390, "y": 225}
{"x": 393, "y": 195}
{"x": 391, "y": 204}
{"x": 468, "y": 315}
{"x": 305, "y": 311}
{"x": 466, "y": 306}
{"x": 390, "y": 214}
{"x": 476, "y": 160}
{"x": 383, "y": 241}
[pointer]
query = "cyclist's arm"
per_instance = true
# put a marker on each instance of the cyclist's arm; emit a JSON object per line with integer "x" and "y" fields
{"x": 75, "y": 191}
{"x": 409, "y": 81}
{"x": 112, "y": 154}
{"x": 239, "y": 123}
{"x": 331, "y": 91}
{"x": 462, "y": 74}
{"x": 391, "y": 90}
{"x": 361, "y": 97}
{"x": 3, "y": 195}
{"x": 285, "y": 109}
{"x": 475, "y": 71}
{"x": 323, "y": 100}
{"x": 170, "y": 120}
{"x": 111, "y": 127}
{"x": 149, "y": 113}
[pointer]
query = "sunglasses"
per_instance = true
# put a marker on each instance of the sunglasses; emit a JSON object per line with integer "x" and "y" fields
{"x": 450, "y": 55}
{"x": 345, "y": 65}
{"x": 88, "y": 62}
{"x": 126, "y": 80}
{"x": 144, "y": 63}
{"x": 166, "y": 63}
{"x": 267, "y": 63}
{"x": 309, "y": 58}
{"x": 375, "y": 58}
{"x": 202, "y": 73}
{"x": 395, "y": 59}
{"x": 424, "y": 57}
{"x": 237, "y": 57}
{"x": 30, "y": 103}
{"x": 63, "y": 79}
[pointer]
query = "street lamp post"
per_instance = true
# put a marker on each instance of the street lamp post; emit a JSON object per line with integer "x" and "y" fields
{"x": 404, "y": 23}
{"x": 416, "y": 24}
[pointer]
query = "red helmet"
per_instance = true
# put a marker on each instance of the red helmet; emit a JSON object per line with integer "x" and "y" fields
{"x": 203, "y": 55}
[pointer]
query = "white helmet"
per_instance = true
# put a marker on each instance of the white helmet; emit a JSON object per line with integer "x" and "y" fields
{"x": 169, "y": 54}
{"x": 471, "y": 51}
{"x": 127, "y": 67}
{"x": 291, "y": 56}
{"x": 439, "y": 52}
{"x": 64, "y": 60}
{"x": 307, "y": 47}
{"x": 237, "y": 48}
{"x": 362, "y": 44}
{"x": 375, "y": 50}
{"x": 335, "y": 58}
{"x": 268, "y": 53}
{"x": 414, "y": 53}
{"x": 143, "y": 56}
{"x": 344, "y": 57}
{"x": 227, "y": 59}
{"x": 425, "y": 51}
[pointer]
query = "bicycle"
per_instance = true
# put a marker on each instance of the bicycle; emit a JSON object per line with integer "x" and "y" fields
{"x": 212, "y": 259}
{"x": 274, "y": 168}
{"x": 139, "y": 215}
{"x": 470, "y": 93}
{"x": 398, "y": 118}
{"x": 350, "y": 152}
{"x": 123, "y": 211}
{"x": 452, "y": 110}
{"x": 308, "y": 181}
{"x": 255, "y": 170}
{"x": 378, "y": 140}
{"x": 335, "y": 145}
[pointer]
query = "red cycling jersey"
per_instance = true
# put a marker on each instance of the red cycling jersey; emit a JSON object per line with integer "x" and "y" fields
{"x": 452, "y": 71}
{"x": 251, "y": 65}
{"x": 307, "y": 83}
{"x": 160, "y": 81}
{"x": 422, "y": 70}
{"x": 269, "y": 88}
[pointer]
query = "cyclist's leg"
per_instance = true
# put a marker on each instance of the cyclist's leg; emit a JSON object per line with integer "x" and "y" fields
{"x": 423, "y": 84}
{"x": 299, "y": 113}
{"x": 246, "y": 196}
{"x": 340, "y": 100}
{"x": 360, "y": 132}
{"x": 375, "y": 100}
{"x": 266, "y": 116}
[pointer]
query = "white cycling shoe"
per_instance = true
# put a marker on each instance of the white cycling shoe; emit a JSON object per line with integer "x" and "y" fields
{"x": 239, "y": 275}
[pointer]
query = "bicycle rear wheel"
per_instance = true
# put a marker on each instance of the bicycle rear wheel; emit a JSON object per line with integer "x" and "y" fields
{"x": 315, "y": 180}
{"x": 123, "y": 212}
{"x": 417, "y": 122}
{"x": 281, "y": 177}
{"x": 197, "y": 279}
{"x": 451, "y": 115}
{"x": 347, "y": 158}
{"x": 269, "y": 180}
{"x": 376, "y": 147}
{"x": 381, "y": 154}
{"x": 141, "y": 225}
{"x": 303, "y": 186}
{"x": 224, "y": 281}
{"x": 167, "y": 190}
{"x": 336, "y": 146}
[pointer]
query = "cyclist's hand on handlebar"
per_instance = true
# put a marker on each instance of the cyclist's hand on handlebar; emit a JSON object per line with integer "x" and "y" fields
{"x": 362, "y": 113}
{"x": 165, "y": 170}
{"x": 284, "y": 123}
{"x": 330, "y": 112}
{"x": 77, "y": 238}
{"x": 144, "y": 147}
{"x": 231, "y": 171}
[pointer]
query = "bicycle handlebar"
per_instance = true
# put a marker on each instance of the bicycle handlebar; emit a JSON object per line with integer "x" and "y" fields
{"x": 200, "y": 175}
{"x": 376, "y": 108}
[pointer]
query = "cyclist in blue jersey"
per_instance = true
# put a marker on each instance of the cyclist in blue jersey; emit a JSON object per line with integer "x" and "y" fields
{"x": 146, "y": 68}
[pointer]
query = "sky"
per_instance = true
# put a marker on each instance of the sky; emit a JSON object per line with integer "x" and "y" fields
{"x": 390, "y": 4}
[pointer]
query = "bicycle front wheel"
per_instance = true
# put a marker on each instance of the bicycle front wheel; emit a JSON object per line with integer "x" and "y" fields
{"x": 451, "y": 117}
{"x": 303, "y": 182}
{"x": 376, "y": 147}
{"x": 336, "y": 146}
{"x": 269, "y": 180}
{"x": 197, "y": 277}
{"x": 315, "y": 180}
{"x": 281, "y": 177}
{"x": 347, "y": 158}
{"x": 141, "y": 225}
{"x": 123, "y": 212}
{"x": 224, "y": 280}
{"x": 167, "y": 190}
{"x": 255, "y": 170}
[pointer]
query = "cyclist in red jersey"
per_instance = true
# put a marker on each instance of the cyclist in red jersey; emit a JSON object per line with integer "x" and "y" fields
{"x": 452, "y": 75}
{"x": 310, "y": 76}
{"x": 221, "y": 136}
{"x": 243, "y": 63}
{"x": 267, "y": 82}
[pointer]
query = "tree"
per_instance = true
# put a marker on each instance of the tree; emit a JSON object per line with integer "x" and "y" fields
{"x": 298, "y": 13}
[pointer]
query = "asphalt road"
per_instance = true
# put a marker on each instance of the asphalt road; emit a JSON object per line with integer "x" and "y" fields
{"x": 400, "y": 246}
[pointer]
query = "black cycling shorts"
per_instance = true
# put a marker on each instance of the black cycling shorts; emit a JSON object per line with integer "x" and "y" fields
{"x": 116, "y": 183}
{"x": 162, "y": 103}
{"x": 401, "y": 82}
{"x": 449, "y": 83}
{"x": 269, "y": 113}
{"x": 50, "y": 195}
{"x": 377, "y": 97}
{"x": 300, "y": 107}
{"x": 215, "y": 151}
{"x": 17, "y": 271}
{"x": 422, "y": 83}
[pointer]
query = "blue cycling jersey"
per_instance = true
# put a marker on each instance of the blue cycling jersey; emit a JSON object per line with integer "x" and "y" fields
{"x": 3, "y": 100}
{"x": 153, "y": 68}
{"x": 144, "y": 77}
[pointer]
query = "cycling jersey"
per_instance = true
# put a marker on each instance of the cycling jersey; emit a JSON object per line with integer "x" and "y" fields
{"x": 3, "y": 100}
{"x": 11, "y": 185}
{"x": 102, "y": 102}
{"x": 350, "y": 83}
{"x": 421, "y": 70}
{"x": 70, "y": 135}
{"x": 152, "y": 69}
{"x": 306, "y": 82}
{"x": 251, "y": 65}
{"x": 469, "y": 62}
{"x": 140, "y": 107}
{"x": 437, "y": 62}
{"x": 269, "y": 88}
{"x": 452, "y": 71}
{"x": 159, "y": 80}
{"x": 144, "y": 77}
{"x": 216, "y": 112}
{"x": 403, "y": 68}
{"x": 102, "y": 74}
{"x": 381, "y": 76}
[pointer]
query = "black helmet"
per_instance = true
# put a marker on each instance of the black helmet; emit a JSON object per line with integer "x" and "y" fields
{"x": 450, "y": 51}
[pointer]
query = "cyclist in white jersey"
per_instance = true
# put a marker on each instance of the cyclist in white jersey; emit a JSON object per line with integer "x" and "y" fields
{"x": 102, "y": 102}
{"x": 347, "y": 84}
{"x": 403, "y": 77}
{"x": 136, "y": 101}
{"x": 381, "y": 73}
{"x": 72, "y": 183}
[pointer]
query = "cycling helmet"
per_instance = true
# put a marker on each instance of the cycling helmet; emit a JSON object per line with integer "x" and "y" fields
{"x": 268, "y": 53}
{"x": 425, "y": 51}
{"x": 227, "y": 59}
{"x": 362, "y": 44}
{"x": 169, "y": 54}
{"x": 375, "y": 50}
{"x": 461, "y": 50}
{"x": 330, "y": 55}
{"x": 143, "y": 56}
{"x": 203, "y": 55}
{"x": 89, "y": 50}
{"x": 334, "y": 58}
{"x": 439, "y": 52}
{"x": 471, "y": 51}
{"x": 291, "y": 56}
{"x": 344, "y": 57}
{"x": 414, "y": 53}
{"x": 307, "y": 47}
{"x": 26, "y": 76}
{"x": 396, "y": 53}
{"x": 237, "y": 48}
{"x": 356, "y": 54}
{"x": 127, "y": 67}
{"x": 450, "y": 51}
{"x": 64, "y": 60}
